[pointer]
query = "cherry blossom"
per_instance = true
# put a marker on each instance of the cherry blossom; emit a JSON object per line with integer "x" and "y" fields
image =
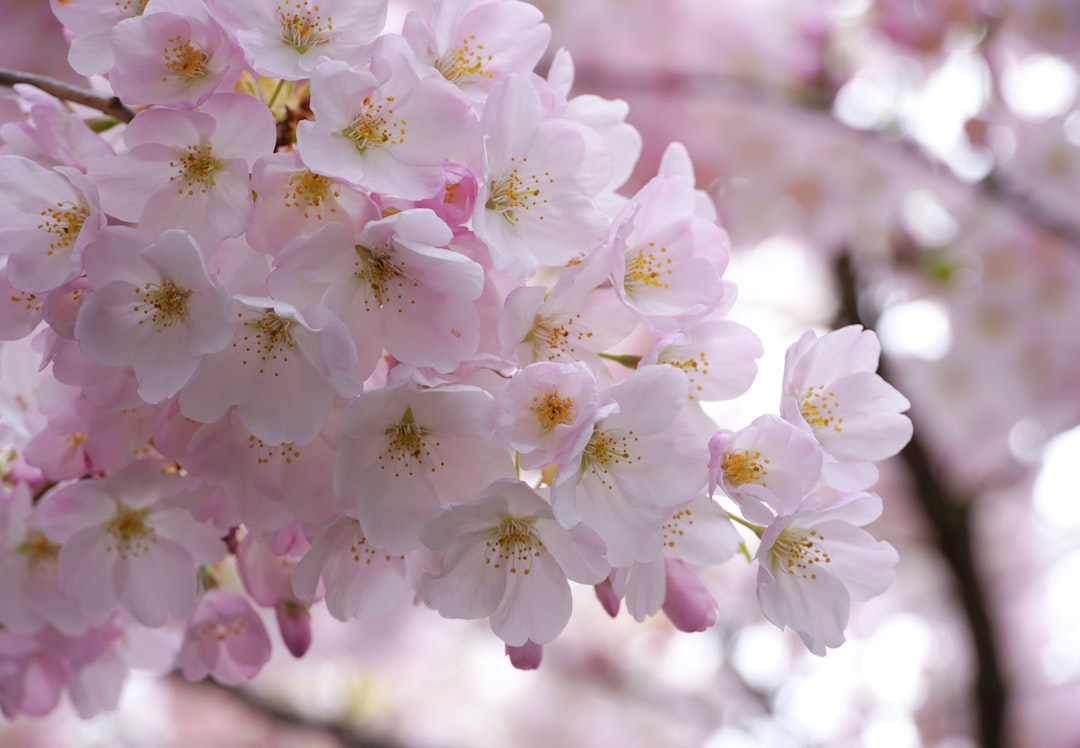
{"x": 188, "y": 170}
{"x": 386, "y": 129}
{"x": 153, "y": 308}
{"x": 815, "y": 561}
{"x": 128, "y": 539}
{"x": 831, "y": 389}
{"x": 508, "y": 560}
{"x": 287, "y": 39}
{"x": 224, "y": 639}
{"x": 476, "y": 43}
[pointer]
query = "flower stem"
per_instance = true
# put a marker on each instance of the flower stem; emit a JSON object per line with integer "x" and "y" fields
{"x": 110, "y": 105}
{"x": 756, "y": 529}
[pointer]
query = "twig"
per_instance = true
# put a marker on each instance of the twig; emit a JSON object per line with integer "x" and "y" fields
{"x": 949, "y": 518}
{"x": 110, "y": 105}
{"x": 346, "y": 735}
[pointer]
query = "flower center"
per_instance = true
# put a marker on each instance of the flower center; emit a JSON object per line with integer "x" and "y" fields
{"x": 607, "y": 450}
{"x": 797, "y": 551}
{"x": 271, "y": 340}
{"x": 552, "y": 410}
{"x": 741, "y": 467}
{"x": 377, "y": 269}
{"x": 187, "y": 62}
{"x": 39, "y": 550}
{"x": 464, "y": 62}
{"x": 222, "y": 631}
{"x": 196, "y": 168}
{"x": 302, "y": 26}
{"x": 697, "y": 366}
{"x": 374, "y": 126}
{"x": 817, "y": 408}
{"x": 407, "y": 447}
{"x": 515, "y": 192}
{"x": 65, "y": 221}
{"x": 553, "y": 337}
{"x": 128, "y": 532}
{"x": 286, "y": 452}
{"x": 513, "y": 543}
{"x": 673, "y": 527}
{"x": 310, "y": 190}
{"x": 647, "y": 268}
{"x": 163, "y": 304}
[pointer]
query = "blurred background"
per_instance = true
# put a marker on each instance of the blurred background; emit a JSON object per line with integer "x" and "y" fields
{"x": 912, "y": 166}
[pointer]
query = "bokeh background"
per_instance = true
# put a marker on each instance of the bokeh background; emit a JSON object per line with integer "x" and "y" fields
{"x": 912, "y": 166}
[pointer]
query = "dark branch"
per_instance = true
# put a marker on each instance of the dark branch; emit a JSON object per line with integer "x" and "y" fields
{"x": 345, "y": 734}
{"x": 109, "y": 105}
{"x": 949, "y": 518}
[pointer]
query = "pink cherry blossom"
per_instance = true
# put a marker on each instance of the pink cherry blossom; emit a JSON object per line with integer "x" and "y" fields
{"x": 547, "y": 412}
{"x": 287, "y": 39}
{"x": 224, "y": 639}
{"x": 831, "y": 388}
{"x": 508, "y": 560}
{"x": 395, "y": 282}
{"x": 640, "y": 463}
{"x": 47, "y": 217}
{"x": 153, "y": 308}
{"x": 283, "y": 369}
{"x": 537, "y": 177}
{"x": 699, "y": 533}
{"x": 815, "y": 561}
{"x": 361, "y": 580}
{"x": 767, "y": 468}
{"x": 386, "y": 129}
{"x": 293, "y": 200}
{"x": 476, "y": 43}
{"x": 665, "y": 261}
{"x": 172, "y": 55}
{"x": 188, "y": 170}
{"x": 716, "y": 355}
{"x": 405, "y": 451}
{"x": 29, "y": 572}
{"x": 128, "y": 539}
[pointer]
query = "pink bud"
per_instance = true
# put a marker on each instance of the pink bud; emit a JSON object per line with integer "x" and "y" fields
{"x": 527, "y": 656}
{"x": 294, "y": 623}
{"x": 687, "y": 603}
{"x": 605, "y": 593}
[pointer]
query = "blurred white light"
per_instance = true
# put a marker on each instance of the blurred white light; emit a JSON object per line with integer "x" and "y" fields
{"x": 926, "y": 219}
{"x": 819, "y": 704}
{"x": 894, "y": 661}
{"x": 1039, "y": 86}
{"x": 1060, "y": 656}
{"x": 761, "y": 656}
{"x": 691, "y": 661}
{"x": 1055, "y": 488}
{"x": 864, "y": 103}
{"x": 1026, "y": 440}
{"x": 916, "y": 328}
{"x": 891, "y": 733}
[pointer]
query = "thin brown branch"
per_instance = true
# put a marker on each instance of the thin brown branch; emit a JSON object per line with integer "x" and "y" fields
{"x": 344, "y": 733}
{"x": 109, "y": 105}
{"x": 949, "y": 517}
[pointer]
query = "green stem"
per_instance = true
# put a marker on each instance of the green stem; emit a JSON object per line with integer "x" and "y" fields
{"x": 756, "y": 529}
{"x": 628, "y": 360}
{"x": 273, "y": 96}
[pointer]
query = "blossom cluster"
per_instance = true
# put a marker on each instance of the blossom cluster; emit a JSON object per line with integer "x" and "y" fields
{"x": 364, "y": 316}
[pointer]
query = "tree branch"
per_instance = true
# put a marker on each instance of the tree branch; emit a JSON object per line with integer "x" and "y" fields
{"x": 345, "y": 734}
{"x": 949, "y": 517}
{"x": 110, "y": 105}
